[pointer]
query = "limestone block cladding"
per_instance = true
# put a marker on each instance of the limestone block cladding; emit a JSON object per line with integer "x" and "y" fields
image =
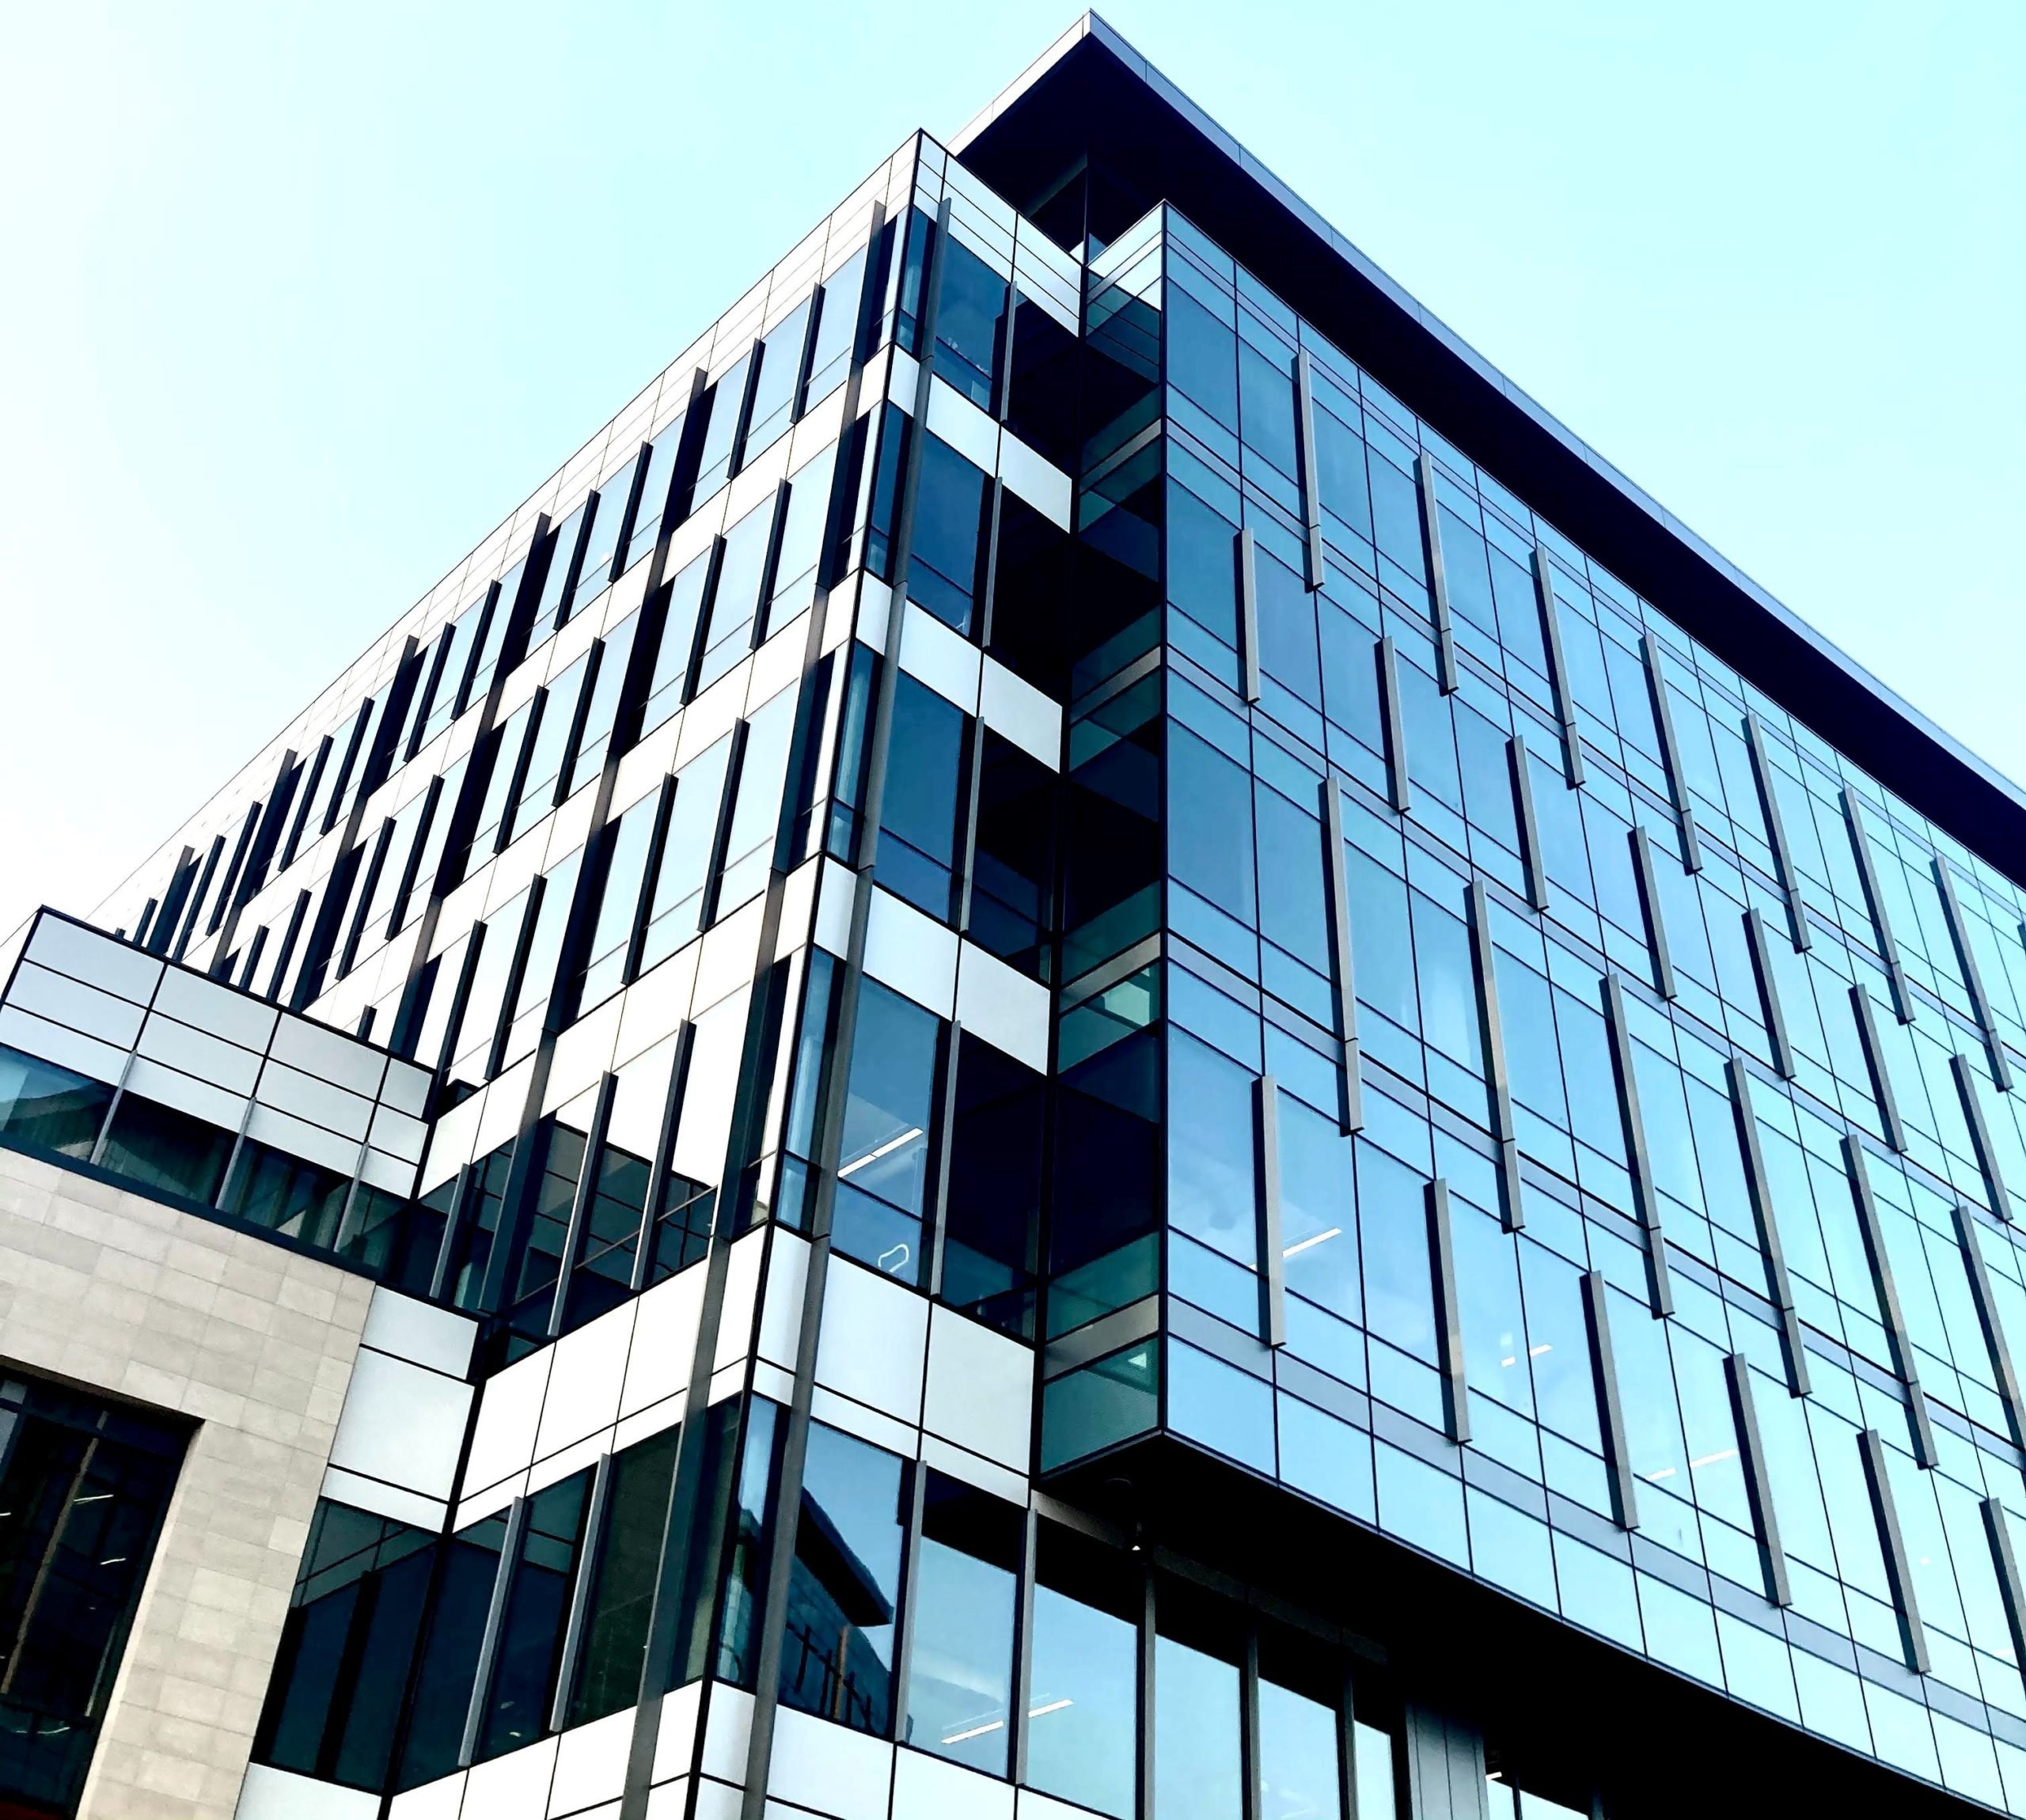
{"x": 254, "y": 1345}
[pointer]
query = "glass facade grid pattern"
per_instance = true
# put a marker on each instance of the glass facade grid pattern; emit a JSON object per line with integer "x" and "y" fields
{"x": 1505, "y": 1080}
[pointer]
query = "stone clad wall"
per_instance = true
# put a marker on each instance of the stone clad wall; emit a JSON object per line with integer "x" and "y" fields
{"x": 256, "y": 1345}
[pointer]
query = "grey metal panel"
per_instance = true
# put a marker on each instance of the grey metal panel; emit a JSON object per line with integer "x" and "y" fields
{"x": 1765, "y": 1219}
{"x": 1603, "y": 1368}
{"x": 1893, "y": 1545}
{"x": 1531, "y": 856}
{"x": 1663, "y": 720}
{"x": 1758, "y": 1485}
{"x": 1445, "y": 1765}
{"x": 1993, "y": 1329}
{"x": 1888, "y": 947}
{"x": 1881, "y": 1079}
{"x": 1565, "y": 700}
{"x": 1247, "y": 557}
{"x": 1394, "y": 727}
{"x": 1448, "y": 1313}
{"x": 1492, "y": 1029}
{"x": 1645, "y": 1197}
{"x": 1266, "y": 1210}
{"x": 1769, "y": 995}
{"x": 1311, "y": 489}
{"x": 1980, "y": 1137}
{"x": 1649, "y": 902}
{"x": 1350, "y": 1106}
{"x": 1776, "y": 832}
{"x": 1446, "y": 677}
{"x": 1880, "y": 1261}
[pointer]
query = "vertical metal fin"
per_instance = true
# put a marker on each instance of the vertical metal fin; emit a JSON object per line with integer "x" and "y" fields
{"x": 1492, "y": 1029}
{"x": 1881, "y": 1260}
{"x": 1648, "y": 882}
{"x": 1769, "y": 995}
{"x": 1392, "y": 713}
{"x": 1446, "y": 677}
{"x": 1999, "y": 1533}
{"x": 1888, "y": 947}
{"x": 1759, "y": 1188}
{"x": 1311, "y": 489}
{"x": 1993, "y": 1329}
{"x": 1776, "y": 832}
{"x": 1893, "y": 1545}
{"x": 1980, "y": 1137}
{"x": 1758, "y": 1483}
{"x": 1350, "y": 1104}
{"x": 1247, "y": 557}
{"x": 1645, "y": 1197}
{"x": 1973, "y": 978}
{"x": 1531, "y": 856}
{"x": 1881, "y": 1079}
{"x": 1603, "y": 1368}
{"x": 1663, "y": 720}
{"x": 1266, "y": 1210}
{"x": 1565, "y": 699}
{"x": 1448, "y": 1313}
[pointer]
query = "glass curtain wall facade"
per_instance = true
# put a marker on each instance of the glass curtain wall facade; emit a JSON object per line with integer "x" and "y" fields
{"x": 1070, "y": 963}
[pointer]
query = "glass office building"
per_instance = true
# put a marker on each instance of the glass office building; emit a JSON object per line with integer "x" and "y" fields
{"x": 1084, "y": 1040}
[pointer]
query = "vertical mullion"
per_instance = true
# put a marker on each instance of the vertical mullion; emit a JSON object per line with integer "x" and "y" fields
{"x": 1758, "y": 1483}
{"x": 1491, "y": 1026}
{"x": 1992, "y": 1328}
{"x": 580, "y": 1202}
{"x": 1873, "y": 1234}
{"x": 1148, "y": 1633}
{"x": 1663, "y": 720}
{"x": 1893, "y": 1546}
{"x": 578, "y": 1613}
{"x": 1973, "y": 977}
{"x": 1266, "y": 1210}
{"x": 1980, "y": 1137}
{"x": 658, "y": 1165}
{"x": 1350, "y": 1093}
{"x": 945, "y": 1138}
{"x": 1311, "y": 490}
{"x": 1603, "y": 1369}
{"x": 1565, "y": 700}
{"x": 1250, "y": 1803}
{"x": 1648, "y": 882}
{"x": 1769, "y": 995}
{"x": 1246, "y": 556}
{"x": 1394, "y": 727}
{"x": 1758, "y": 1188}
{"x": 1023, "y": 1644}
{"x": 1449, "y": 1312}
{"x": 495, "y": 1621}
{"x": 1531, "y": 858}
{"x": 1881, "y": 1079}
{"x": 794, "y": 1445}
{"x": 1446, "y": 677}
{"x": 1888, "y": 947}
{"x": 904, "y": 1644}
{"x": 1645, "y": 1197}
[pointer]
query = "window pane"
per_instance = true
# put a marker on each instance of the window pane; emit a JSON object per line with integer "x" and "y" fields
{"x": 961, "y": 1679}
{"x": 629, "y": 1557}
{"x": 1298, "y": 1777}
{"x": 837, "y": 1653}
{"x": 1083, "y": 1708}
{"x": 1197, "y": 1773}
{"x": 883, "y": 1173}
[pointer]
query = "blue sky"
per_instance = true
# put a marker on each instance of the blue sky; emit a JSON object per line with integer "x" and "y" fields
{"x": 302, "y": 300}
